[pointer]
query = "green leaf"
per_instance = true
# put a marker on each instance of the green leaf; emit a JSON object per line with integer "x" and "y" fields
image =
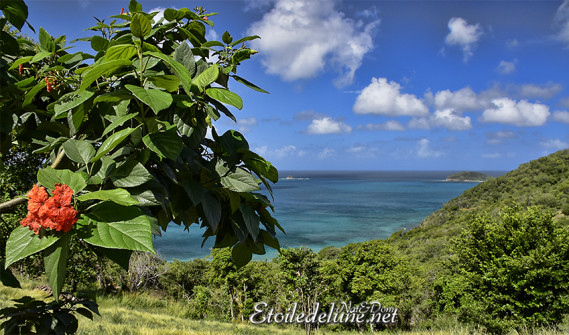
{"x": 48, "y": 177}
{"x": 120, "y": 257}
{"x": 46, "y": 41}
{"x": 134, "y": 6}
{"x": 7, "y": 278}
{"x": 119, "y": 196}
{"x": 110, "y": 225}
{"x": 171, "y": 14}
{"x": 251, "y": 220}
{"x": 225, "y": 96}
{"x": 40, "y": 56}
{"x": 269, "y": 240}
{"x": 97, "y": 71}
{"x": 179, "y": 70}
{"x": 15, "y": 11}
{"x": 241, "y": 254}
{"x": 165, "y": 144}
{"x": 240, "y": 181}
{"x": 155, "y": 99}
{"x": 111, "y": 142}
{"x": 79, "y": 151}
{"x": 119, "y": 121}
{"x": 244, "y": 39}
{"x": 29, "y": 97}
{"x": 22, "y": 243}
{"x": 140, "y": 25}
{"x": 226, "y": 38}
{"x": 183, "y": 55}
{"x": 19, "y": 61}
{"x": 260, "y": 166}
{"x": 72, "y": 100}
{"x": 168, "y": 82}
{"x": 212, "y": 210}
{"x": 206, "y": 77}
{"x": 249, "y": 84}
{"x": 120, "y": 51}
{"x": 55, "y": 259}
{"x": 99, "y": 43}
{"x": 130, "y": 174}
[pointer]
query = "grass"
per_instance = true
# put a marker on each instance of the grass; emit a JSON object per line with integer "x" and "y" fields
{"x": 142, "y": 314}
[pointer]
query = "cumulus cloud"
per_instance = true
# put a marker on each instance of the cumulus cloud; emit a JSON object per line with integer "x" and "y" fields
{"x": 299, "y": 39}
{"x": 507, "y": 67}
{"x": 529, "y": 91}
{"x": 561, "y": 116}
{"x": 327, "y": 125}
{"x": 463, "y": 35}
{"x": 424, "y": 149}
{"x": 562, "y": 22}
{"x": 390, "y": 125}
{"x": 449, "y": 119}
{"x": 384, "y": 98}
{"x": 308, "y": 115}
{"x": 464, "y": 99}
{"x": 519, "y": 113}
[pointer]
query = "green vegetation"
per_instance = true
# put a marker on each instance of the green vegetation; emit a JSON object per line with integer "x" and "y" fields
{"x": 468, "y": 176}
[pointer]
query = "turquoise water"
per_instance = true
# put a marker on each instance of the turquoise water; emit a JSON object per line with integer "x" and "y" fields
{"x": 322, "y": 208}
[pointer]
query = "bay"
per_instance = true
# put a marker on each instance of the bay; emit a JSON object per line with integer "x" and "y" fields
{"x": 323, "y": 208}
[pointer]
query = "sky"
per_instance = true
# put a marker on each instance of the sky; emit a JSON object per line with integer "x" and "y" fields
{"x": 383, "y": 85}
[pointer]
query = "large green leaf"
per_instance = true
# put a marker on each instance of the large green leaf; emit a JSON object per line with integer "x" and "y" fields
{"x": 119, "y": 121}
{"x": 166, "y": 144}
{"x": 110, "y": 225}
{"x": 7, "y": 278}
{"x": 249, "y": 84}
{"x": 48, "y": 177}
{"x": 46, "y": 41}
{"x": 183, "y": 55}
{"x": 244, "y": 39}
{"x": 168, "y": 82}
{"x": 111, "y": 142}
{"x": 179, "y": 70}
{"x": 225, "y": 96}
{"x": 22, "y": 243}
{"x": 55, "y": 259}
{"x": 241, "y": 254}
{"x": 240, "y": 181}
{"x": 99, "y": 43}
{"x": 118, "y": 195}
{"x": 130, "y": 174}
{"x": 212, "y": 210}
{"x": 98, "y": 70}
{"x": 79, "y": 151}
{"x": 207, "y": 77}
{"x": 29, "y": 97}
{"x": 155, "y": 99}
{"x": 140, "y": 25}
{"x": 72, "y": 100}
{"x": 251, "y": 220}
{"x": 134, "y": 6}
{"x": 260, "y": 165}
{"x": 15, "y": 11}
{"x": 120, "y": 51}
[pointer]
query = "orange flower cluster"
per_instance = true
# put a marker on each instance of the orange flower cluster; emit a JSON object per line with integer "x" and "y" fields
{"x": 50, "y": 213}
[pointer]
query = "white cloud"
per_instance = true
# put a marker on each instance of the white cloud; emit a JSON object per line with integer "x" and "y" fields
{"x": 464, "y": 35}
{"x": 424, "y": 149}
{"x": 285, "y": 151}
{"x": 555, "y": 144}
{"x": 246, "y": 124}
{"x": 327, "y": 126}
{"x": 562, "y": 22}
{"x": 326, "y": 153}
{"x": 461, "y": 100}
{"x": 384, "y": 98}
{"x": 545, "y": 91}
{"x": 507, "y": 67}
{"x": 499, "y": 136}
{"x": 449, "y": 119}
{"x": 390, "y": 125}
{"x": 308, "y": 115}
{"x": 561, "y": 116}
{"x": 300, "y": 38}
{"x": 521, "y": 113}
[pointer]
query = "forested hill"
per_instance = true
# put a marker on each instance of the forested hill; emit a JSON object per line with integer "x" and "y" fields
{"x": 543, "y": 182}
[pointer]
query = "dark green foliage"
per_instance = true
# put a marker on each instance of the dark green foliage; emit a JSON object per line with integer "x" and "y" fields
{"x": 509, "y": 273}
{"x": 469, "y": 176}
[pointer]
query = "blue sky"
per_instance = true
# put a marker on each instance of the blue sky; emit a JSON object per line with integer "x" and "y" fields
{"x": 385, "y": 85}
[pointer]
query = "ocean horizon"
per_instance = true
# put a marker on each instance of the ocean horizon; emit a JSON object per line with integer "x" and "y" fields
{"x": 335, "y": 208}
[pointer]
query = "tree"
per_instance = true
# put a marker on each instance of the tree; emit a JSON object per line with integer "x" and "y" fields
{"x": 124, "y": 132}
{"x": 509, "y": 272}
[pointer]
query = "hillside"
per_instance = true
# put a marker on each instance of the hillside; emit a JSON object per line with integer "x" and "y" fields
{"x": 468, "y": 176}
{"x": 543, "y": 182}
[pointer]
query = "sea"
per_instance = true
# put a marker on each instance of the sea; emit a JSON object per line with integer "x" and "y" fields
{"x": 335, "y": 208}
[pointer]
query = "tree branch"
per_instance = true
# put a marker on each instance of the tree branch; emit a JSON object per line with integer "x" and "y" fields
{"x": 9, "y": 205}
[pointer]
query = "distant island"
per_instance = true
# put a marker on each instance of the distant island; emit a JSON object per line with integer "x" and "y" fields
{"x": 468, "y": 176}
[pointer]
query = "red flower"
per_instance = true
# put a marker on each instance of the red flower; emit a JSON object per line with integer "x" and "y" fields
{"x": 205, "y": 18}
{"x": 122, "y": 11}
{"x": 54, "y": 213}
{"x": 20, "y": 68}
